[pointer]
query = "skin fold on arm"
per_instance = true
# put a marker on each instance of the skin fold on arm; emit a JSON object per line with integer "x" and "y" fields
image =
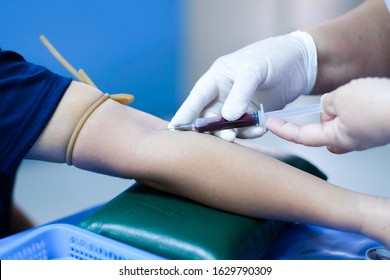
{"x": 118, "y": 140}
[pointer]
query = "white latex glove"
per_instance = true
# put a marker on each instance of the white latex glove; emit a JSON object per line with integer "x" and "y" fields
{"x": 356, "y": 117}
{"x": 274, "y": 72}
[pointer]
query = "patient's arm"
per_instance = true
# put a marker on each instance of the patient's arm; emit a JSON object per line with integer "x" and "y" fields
{"x": 121, "y": 141}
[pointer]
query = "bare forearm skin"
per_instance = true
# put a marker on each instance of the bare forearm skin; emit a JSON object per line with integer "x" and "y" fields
{"x": 211, "y": 171}
{"x": 120, "y": 141}
{"x": 355, "y": 45}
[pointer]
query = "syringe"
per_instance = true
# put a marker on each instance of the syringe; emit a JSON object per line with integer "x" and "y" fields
{"x": 248, "y": 119}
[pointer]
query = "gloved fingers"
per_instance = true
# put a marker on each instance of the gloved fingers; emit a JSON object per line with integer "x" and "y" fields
{"x": 184, "y": 115}
{"x": 250, "y": 132}
{"x": 241, "y": 94}
{"x": 226, "y": 134}
{"x": 313, "y": 135}
{"x": 204, "y": 91}
{"x": 213, "y": 110}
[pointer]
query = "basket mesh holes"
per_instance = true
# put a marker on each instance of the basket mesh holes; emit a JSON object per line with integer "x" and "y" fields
{"x": 35, "y": 251}
{"x": 81, "y": 249}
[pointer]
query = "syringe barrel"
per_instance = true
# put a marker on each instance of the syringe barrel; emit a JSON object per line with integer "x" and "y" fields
{"x": 219, "y": 123}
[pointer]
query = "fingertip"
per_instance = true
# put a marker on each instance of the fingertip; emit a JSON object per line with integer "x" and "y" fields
{"x": 174, "y": 121}
{"x": 337, "y": 150}
{"x": 227, "y": 134}
{"x": 274, "y": 124}
{"x": 324, "y": 99}
{"x": 186, "y": 114}
{"x": 328, "y": 103}
{"x": 231, "y": 113}
{"x": 251, "y": 132}
{"x": 233, "y": 109}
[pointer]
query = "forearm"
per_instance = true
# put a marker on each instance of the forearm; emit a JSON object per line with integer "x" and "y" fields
{"x": 121, "y": 141}
{"x": 352, "y": 46}
{"x": 236, "y": 179}
{"x": 209, "y": 170}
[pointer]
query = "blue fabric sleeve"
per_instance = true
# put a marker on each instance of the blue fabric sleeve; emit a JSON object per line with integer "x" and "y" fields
{"x": 29, "y": 95}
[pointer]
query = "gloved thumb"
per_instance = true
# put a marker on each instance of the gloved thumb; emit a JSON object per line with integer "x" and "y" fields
{"x": 327, "y": 103}
{"x": 200, "y": 96}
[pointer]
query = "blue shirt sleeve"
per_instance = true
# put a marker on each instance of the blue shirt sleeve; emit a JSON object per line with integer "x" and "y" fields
{"x": 29, "y": 95}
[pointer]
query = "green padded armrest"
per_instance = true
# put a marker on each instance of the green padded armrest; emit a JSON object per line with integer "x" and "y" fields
{"x": 177, "y": 228}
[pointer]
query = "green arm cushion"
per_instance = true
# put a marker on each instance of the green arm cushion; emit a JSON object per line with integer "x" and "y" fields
{"x": 177, "y": 228}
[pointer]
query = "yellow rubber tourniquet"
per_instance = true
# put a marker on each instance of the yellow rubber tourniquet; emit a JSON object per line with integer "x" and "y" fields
{"x": 77, "y": 129}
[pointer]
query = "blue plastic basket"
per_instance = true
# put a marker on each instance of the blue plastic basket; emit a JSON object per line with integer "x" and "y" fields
{"x": 62, "y": 241}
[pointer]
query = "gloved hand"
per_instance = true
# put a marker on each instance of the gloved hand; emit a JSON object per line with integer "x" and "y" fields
{"x": 274, "y": 72}
{"x": 356, "y": 117}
